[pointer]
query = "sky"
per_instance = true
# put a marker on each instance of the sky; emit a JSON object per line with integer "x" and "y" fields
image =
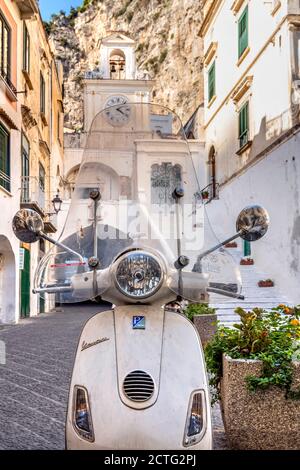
{"x": 54, "y": 6}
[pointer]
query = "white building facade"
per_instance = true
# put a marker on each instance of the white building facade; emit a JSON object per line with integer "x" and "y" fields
{"x": 251, "y": 126}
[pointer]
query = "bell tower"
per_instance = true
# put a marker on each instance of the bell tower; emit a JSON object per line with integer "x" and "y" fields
{"x": 117, "y": 58}
{"x": 116, "y": 80}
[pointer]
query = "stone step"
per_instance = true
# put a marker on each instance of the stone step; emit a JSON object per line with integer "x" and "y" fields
{"x": 266, "y": 298}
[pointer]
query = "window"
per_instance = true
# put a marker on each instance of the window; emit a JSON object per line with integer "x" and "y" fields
{"x": 42, "y": 180}
{"x": 212, "y": 82}
{"x": 25, "y": 156}
{"x": 243, "y": 32}
{"x": 26, "y": 49}
{"x": 25, "y": 170}
{"x": 4, "y": 158}
{"x": 164, "y": 179}
{"x": 244, "y": 125}
{"x": 42, "y": 94}
{"x": 58, "y": 126}
{"x": 42, "y": 175}
{"x": 5, "y": 46}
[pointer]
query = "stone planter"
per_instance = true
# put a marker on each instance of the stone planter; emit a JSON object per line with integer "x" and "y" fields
{"x": 260, "y": 420}
{"x": 206, "y": 326}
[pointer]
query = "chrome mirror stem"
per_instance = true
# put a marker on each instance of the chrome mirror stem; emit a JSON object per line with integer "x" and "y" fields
{"x": 214, "y": 248}
{"x": 59, "y": 244}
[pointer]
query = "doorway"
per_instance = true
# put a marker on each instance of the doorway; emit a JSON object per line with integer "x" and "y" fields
{"x": 25, "y": 284}
{"x": 212, "y": 172}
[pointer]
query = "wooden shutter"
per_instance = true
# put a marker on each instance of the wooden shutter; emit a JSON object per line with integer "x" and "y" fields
{"x": 4, "y": 159}
{"x": 243, "y": 32}
{"x": 212, "y": 81}
{"x": 244, "y": 124}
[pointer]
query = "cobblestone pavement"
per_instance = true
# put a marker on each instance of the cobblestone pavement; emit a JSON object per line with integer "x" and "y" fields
{"x": 35, "y": 380}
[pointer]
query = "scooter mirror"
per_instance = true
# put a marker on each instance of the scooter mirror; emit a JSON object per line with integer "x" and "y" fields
{"x": 27, "y": 225}
{"x": 252, "y": 223}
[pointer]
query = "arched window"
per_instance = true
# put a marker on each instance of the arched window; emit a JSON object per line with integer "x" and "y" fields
{"x": 212, "y": 172}
{"x": 164, "y": 179}
{"x": 117, "y": 65}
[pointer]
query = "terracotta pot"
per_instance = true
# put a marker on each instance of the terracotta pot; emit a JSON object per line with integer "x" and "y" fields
{"x": 231, "y": 245}
{"x": 246, "y": 262}
{"x": 206, "y": 326}
{"x": 262, "y": 420}
{"x": 265, "y": 284}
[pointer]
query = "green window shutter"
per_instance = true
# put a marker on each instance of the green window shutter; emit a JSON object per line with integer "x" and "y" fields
{"x": 4, "y": 159}
{"x": 26, "y": 49}
{"x": 42, "y": 94}
{"x": 244, "y": 124}
{"x": 212, "y": 82}
{"x": 243, "y": 32}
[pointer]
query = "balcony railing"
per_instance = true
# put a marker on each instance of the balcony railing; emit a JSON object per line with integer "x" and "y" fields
{"x": 50, "y": 221}
{"x": 5, "y": 181}
{"x": 100, "y": 75}
{"x": 93, "y": 75}
{"x": 75, "y": 140}
{"x": 33, "y": 194}
{"x": 5, "y": 75}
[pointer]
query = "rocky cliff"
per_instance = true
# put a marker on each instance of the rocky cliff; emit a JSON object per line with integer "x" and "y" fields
{"x": 167, "y": 46}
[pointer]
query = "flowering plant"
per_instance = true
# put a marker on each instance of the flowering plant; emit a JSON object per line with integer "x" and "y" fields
{"x": 272, "y": 337}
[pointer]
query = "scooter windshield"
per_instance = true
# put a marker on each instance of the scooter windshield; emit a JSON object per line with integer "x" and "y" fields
{"x": 137, "y": 190}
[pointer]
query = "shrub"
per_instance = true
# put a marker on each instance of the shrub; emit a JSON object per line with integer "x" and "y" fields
{"x": 163, "y": 55}
{"x": 198, "y": 309}
{"x": 129, "y": 16}
{"x": 271, "y": 337}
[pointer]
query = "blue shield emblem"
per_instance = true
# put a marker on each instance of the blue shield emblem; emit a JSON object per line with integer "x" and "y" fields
{"x": 138, "y": 323}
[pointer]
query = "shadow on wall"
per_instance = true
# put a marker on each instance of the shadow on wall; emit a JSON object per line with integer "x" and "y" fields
{"x": 7, "y": 282}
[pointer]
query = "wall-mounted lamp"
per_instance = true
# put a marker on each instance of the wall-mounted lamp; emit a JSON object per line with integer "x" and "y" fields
{"x": 57, "y": 202}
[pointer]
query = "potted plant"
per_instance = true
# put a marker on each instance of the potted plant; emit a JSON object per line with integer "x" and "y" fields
{"x": 204, "y": 319}
{"x": 265, "y": 283}
{"x": 247, "y": 261}
{"x": 231, "y": 245}
{"x": 255, "y": 372}
{"x": 205, "y": 194}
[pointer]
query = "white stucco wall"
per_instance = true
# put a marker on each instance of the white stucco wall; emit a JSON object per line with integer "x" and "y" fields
{"x": 273, "y": 183}
{"x": 268, "y": 63}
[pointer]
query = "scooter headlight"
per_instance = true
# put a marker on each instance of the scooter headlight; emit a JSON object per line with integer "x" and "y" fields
{"x": 82, "y": 415}
{"x": 196, "y": 419}
{"x": 139, "y": 274}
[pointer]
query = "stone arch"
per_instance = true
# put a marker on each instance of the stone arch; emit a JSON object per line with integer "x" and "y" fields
{"x": 7, "y": 282}
{"x": 117, "y": 64}
{"x": 70, "y": 181}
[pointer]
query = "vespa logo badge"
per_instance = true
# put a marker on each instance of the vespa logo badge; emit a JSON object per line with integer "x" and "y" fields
{"x": 85, "y": 345}
{"x": 139, "y": 323}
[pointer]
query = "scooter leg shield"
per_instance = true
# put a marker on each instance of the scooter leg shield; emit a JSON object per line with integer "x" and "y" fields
{"x": 140, "y": 368}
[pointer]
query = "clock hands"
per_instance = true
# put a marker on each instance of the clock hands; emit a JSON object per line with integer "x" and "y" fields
{"x": 118, "y": 109}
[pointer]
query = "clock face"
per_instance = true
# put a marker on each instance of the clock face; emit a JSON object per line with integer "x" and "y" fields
{"x": 119, "y": 112}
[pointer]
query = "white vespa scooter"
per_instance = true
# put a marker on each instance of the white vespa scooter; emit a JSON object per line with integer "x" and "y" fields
{"x": 137, "y": 235}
